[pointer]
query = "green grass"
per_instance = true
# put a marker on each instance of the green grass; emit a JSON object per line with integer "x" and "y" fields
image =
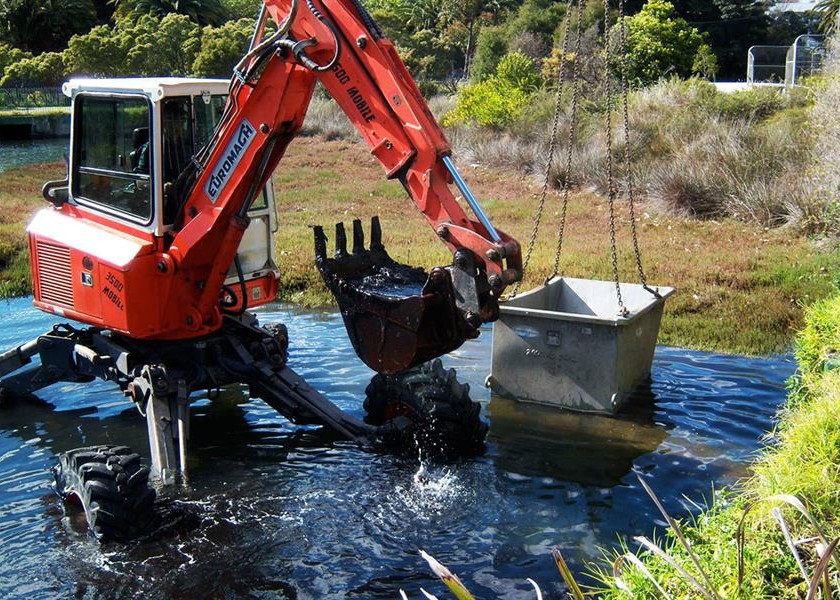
{"x": 802, "y": 459}
{"x": 55, "y": 111}
{"x": 20, "y": 196}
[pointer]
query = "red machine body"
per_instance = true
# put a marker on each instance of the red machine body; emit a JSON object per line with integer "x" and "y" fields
{"x": 154, "y": 263}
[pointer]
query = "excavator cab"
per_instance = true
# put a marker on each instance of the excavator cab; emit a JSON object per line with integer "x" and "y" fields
{"x": 131, "y": 138}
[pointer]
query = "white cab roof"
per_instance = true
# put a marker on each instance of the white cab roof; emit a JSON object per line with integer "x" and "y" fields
{"x": 153, "y": 87}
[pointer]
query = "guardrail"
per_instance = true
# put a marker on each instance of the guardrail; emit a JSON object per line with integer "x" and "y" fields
{"x": 32, "y": 99}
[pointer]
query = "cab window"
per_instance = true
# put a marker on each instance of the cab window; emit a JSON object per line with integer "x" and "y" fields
{"x": 113, "y": 154}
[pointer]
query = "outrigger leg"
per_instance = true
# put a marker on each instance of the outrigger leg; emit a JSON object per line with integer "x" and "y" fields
{"x": 160, "y": 377}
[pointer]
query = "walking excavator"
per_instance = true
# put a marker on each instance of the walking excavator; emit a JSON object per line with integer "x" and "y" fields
{"x": 159, "y": 242}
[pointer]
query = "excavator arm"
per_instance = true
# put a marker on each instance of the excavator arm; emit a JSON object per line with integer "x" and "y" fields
{"x": 337, "y": 43}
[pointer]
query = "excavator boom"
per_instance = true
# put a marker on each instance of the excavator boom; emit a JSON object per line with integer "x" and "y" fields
{"x": 184, "y": 266}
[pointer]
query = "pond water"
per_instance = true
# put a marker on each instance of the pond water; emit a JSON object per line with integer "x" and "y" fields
{"x": 19, "y": 153}
{"x": 279, "y": 511}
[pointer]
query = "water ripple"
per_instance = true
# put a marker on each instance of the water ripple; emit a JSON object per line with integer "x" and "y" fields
{"x": 277, "y": 510}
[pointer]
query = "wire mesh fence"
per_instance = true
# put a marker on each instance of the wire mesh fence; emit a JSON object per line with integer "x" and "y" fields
{"x": 804, "y": 58}
{"x": 786, "y": 65}
{"x": 766, "y": 64}
{"x": 32, "y": 99}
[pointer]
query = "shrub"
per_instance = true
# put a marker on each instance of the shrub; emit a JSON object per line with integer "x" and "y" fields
{"x": 499, "y": 99}
{"x": 47, "y": 69}
{"x": 10, "y": 55}
{"x": 659, "y": 43}
{"x": 221, "y": 48}
{"x": 491, "y": 47}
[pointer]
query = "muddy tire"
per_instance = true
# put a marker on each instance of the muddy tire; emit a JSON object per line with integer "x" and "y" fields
{"x": 111, "y": 486}
{"x": 427, "y": 409}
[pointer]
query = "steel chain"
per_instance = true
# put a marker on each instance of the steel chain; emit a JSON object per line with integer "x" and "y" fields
{"x": 570, "y": 141}
{"x": 625, "y": 92}
{"x": 552, "y": 146}
{"x": 611, "y": 188}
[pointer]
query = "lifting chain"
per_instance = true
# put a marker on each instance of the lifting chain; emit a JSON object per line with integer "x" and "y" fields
{"x": 570, "y": 146}
{"x": 552, "y": 147}
{"x": 612, "y": 189}
{"x": 627, "y": 159}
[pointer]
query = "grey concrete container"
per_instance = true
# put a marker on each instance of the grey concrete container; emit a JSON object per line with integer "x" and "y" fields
{"x": 565, "y": 344}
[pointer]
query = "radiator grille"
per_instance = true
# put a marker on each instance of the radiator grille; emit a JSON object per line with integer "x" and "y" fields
{"x": 55, "y": 278}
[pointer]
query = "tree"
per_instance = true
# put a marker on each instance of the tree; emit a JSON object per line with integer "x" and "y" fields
{"x": 41, "y": 25}
{"x": 203, "y": 12}
{"x": 10, "y": 55}
{"x": 163, "y": 47}
{"x": 469, "y": 15}
{"x": 659, "y": 43}
{"x": 149, "y": 46}
{"x": 731, "y": 27}
{"x": 491, "y": 48}
{"x": 221, "y": 48}
{"x": 241, "y": 9}
{"x": 827, "y": 10}
{"x": 46, "y": 69}
{"x": 540, "y": 17}
{"x": 501, "y": 98}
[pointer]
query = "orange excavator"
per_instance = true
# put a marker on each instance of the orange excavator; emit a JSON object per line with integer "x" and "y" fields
{"x": 160, "y": 240}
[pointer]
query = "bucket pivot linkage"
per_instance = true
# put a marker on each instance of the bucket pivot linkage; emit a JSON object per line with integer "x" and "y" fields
{"x": 397, "y": 316}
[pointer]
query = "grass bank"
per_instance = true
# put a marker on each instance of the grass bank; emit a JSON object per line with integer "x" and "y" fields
{"x": 741, "y": 286}
{"x": 50, "y": 111}
{"x": 20, "y": 197}
{"x": 801, "y": 460}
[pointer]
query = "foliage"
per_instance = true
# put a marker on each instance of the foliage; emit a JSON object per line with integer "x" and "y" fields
{"x": 705, "y": 62}
{"x": 203, "y": 12}
{"x": 540, "y": 17}
{"x": 47, "y": 69}
{"x": 501, "y": 98}
{"x": 659, "y": 43}
{"x": 241, "y": 9}
{"x": 221, "y": 48}
{"x": 491, "y": 48}
{"x": 437, "y": 38}
{"x": 730, "y": 28}
{"x": 801, "y": 463}
{"x": 10, "y": 55}
{"x": 148, "y": 46}
{"x": 828, "y": 12}
{"x": 42, "y": 25}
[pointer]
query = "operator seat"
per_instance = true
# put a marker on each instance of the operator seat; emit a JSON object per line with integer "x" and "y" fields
{"x": 139, "y": 157}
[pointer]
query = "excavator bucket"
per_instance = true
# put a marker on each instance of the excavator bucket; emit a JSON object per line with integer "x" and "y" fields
{"x": 397, "y": 316}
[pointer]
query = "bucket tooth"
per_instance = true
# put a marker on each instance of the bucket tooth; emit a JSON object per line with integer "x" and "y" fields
{"x": 320, "y": 242}
{"x": 340, "y": 241}
{"x": 358, "y": 237}
{"x": 376, "y": 234}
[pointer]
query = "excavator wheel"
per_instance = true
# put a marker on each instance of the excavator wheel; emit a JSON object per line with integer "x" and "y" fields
{"x": 112, "y": 488}
{"x": 430, "y": 411}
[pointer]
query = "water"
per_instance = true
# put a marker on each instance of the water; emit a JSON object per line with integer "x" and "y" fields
{"x": 285, "y": 512}
{"x": 19, "y": 153}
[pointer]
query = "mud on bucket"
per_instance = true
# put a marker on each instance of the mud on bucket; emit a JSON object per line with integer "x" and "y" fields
{"x": 397, "y": 316}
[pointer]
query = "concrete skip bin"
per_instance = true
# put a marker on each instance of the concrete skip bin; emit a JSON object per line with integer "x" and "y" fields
{"x": 564, "y": 344}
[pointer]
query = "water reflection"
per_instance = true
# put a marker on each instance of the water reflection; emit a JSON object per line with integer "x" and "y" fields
{"x": 19, "y": 153}
{"x": 275, "y": 510}
{"x": 592, "y": 450}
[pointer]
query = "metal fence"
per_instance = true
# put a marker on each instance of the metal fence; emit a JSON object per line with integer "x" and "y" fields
{"x": 40, "y": 99}
{"x": 786, "y": 65}
{"x": 766, "y": 64}
{"x": 805, "y": 57}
